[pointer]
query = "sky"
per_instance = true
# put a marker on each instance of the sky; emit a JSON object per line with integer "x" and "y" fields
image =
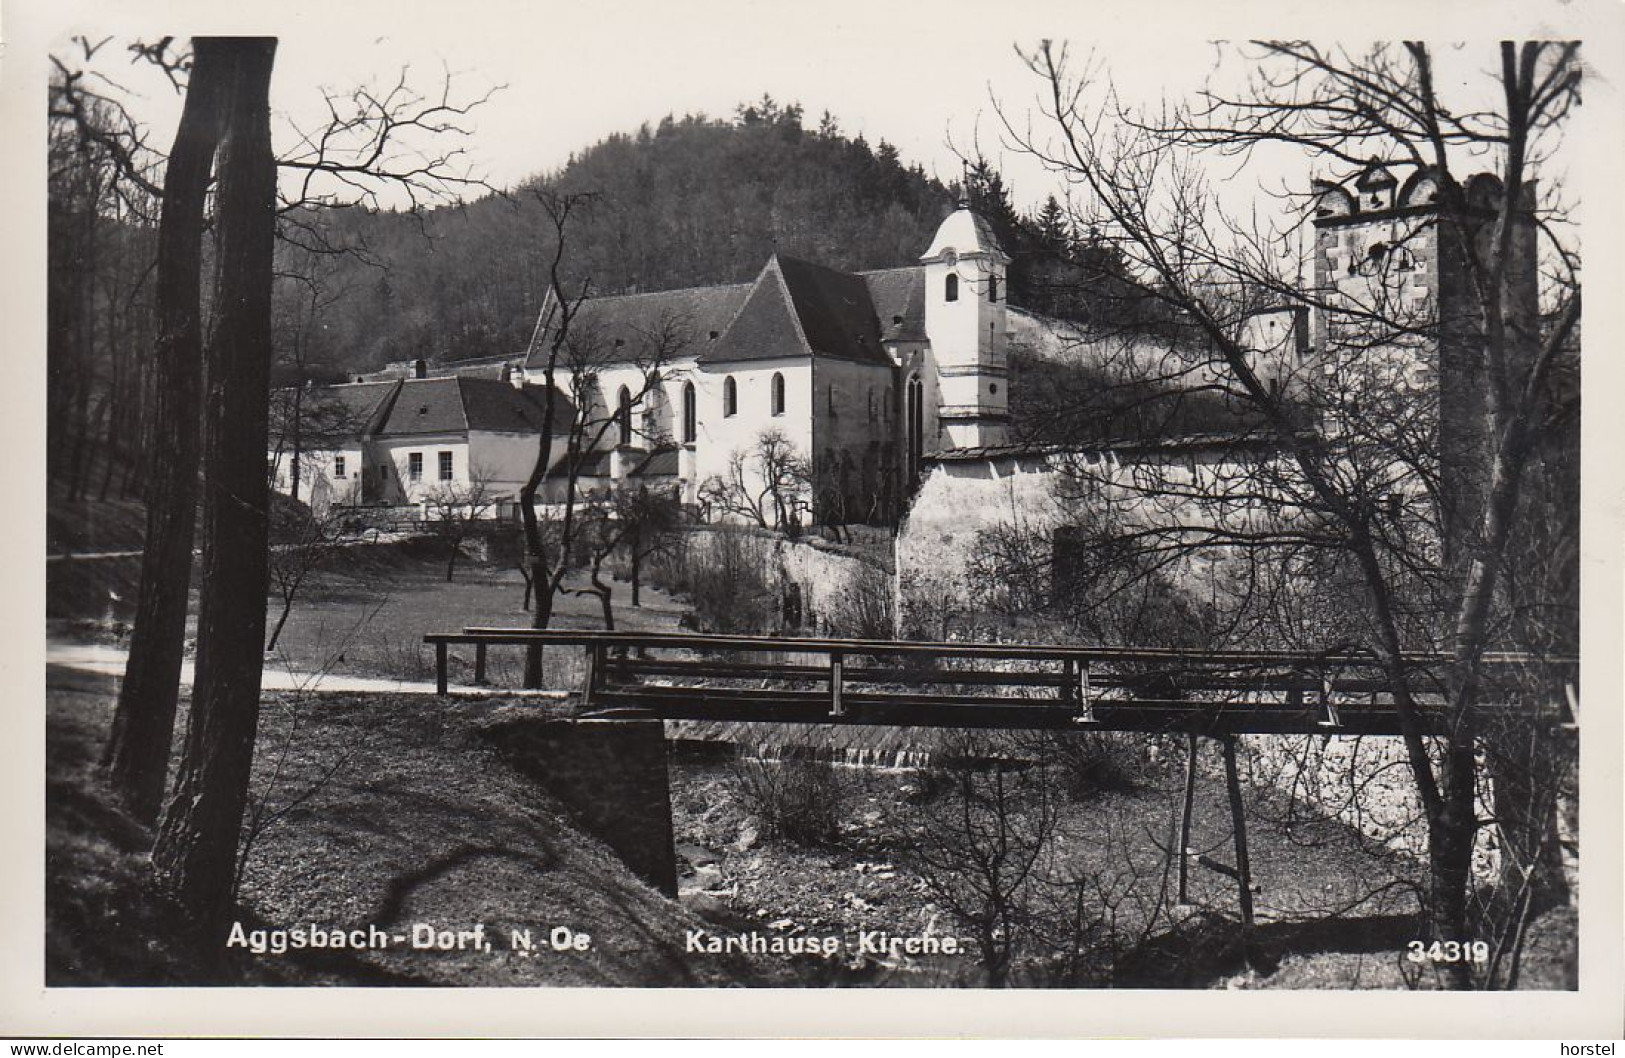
{"x": 927, "y": 78}
{"x": 930, "y": 78}
{"x": 568, "y": 76}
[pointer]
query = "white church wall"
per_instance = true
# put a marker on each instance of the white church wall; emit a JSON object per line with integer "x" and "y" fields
{"x": 721, "y": 435}
{"x": 664, "y": 401}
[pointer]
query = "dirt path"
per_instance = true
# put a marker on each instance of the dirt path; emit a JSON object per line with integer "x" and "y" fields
{"x": 110, "y": 660}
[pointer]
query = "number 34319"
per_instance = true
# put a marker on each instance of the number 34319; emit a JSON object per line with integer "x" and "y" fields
{"x": 1441, "y": 951}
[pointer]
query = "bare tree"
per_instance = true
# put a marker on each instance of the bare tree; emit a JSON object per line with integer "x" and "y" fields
{"x": 767, "y": 485}
{"x": 301, "y": 543}
{"x": 979, "y": 844}
{"x": 137, "y": 752}
{"x": 636, "y": 521}
{"x": 457, "y": 511}
{"x": 195, "y": 855}
{"x": 574, "y": 355}
{"x": 1389, "y": 469}
{"x": 365, "y": 149}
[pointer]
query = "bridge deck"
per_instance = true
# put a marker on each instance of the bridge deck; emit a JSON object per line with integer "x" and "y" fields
{"x": 765, "y": 679}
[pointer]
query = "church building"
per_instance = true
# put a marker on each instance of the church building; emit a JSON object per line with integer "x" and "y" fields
{"x": 862, "y": 375}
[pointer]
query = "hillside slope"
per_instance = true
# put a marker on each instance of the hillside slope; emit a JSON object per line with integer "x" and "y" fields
{"x": 386, "y": 810}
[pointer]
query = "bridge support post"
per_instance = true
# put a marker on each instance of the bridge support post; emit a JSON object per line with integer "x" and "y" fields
{"x": 1185, "y": 850}
{"x": 1238, "y": 822}
{"x": 610, "y": 774}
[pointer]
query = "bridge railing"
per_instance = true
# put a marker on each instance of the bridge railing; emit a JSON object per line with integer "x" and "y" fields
{"x": 702, "y": 676}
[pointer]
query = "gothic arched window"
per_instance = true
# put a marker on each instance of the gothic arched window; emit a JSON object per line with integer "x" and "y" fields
{"x": 950, "y": 287}
{"x": 690, "y": 414}
{"x": 730, "y": 397}
{"x": 623, "y": 415}
{"x": 778, "y": 394}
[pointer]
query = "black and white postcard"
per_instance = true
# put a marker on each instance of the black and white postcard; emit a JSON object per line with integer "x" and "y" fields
{"x": 739, "y": 519}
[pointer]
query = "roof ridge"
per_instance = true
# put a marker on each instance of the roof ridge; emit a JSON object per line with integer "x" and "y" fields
{"x": 777, "y": 268}
{"x": 669, "y": 290}
{"x": 462, "y": 400}
{"x": 384, "y": 409}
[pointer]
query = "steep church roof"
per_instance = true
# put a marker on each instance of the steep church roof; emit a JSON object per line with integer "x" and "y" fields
{"x": 797, "y": 308}
{"x": 898, "y": 295}
{"x": 627, "y": 327}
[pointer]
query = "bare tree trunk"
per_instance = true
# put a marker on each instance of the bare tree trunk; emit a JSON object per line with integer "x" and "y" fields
{"x": 196, "y": 851}
{"x": 137, "y": 754}
{"x": 604, "y": 593}
{"x": 540, "y": 617}
{"x": 282, "y": 620}
{"x": 1450, "y": 854}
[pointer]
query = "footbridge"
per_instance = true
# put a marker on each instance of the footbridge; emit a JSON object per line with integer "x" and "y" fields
{"x": 607, "y": 761}
{"x": 768, "y": 679}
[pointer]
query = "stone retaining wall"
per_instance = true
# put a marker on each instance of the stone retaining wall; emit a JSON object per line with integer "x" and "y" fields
{"x": 824, "y": 587}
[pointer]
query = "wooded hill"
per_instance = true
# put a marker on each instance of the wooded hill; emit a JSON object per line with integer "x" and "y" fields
{"x": 685, "y": 202}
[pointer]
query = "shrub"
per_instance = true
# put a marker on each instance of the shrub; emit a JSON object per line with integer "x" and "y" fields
{"x": 864, "y": 610}
{"x": 1090, "y": 763}
{"x": 721, "y": 574}
{"x": 801, "y": 801}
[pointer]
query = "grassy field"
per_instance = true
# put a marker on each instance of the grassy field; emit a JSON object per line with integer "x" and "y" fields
{"x": 368, "y": 614}
{"x": 366, "y": 610}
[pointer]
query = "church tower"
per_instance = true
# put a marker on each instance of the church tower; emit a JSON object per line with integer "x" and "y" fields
{"x": 965, "y": 295}
{"x": 1399, "y": 312}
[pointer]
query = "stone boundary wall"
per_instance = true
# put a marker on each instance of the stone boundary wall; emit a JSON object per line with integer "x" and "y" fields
{"x": 1363, "y": 782}
{"x": 838, "y": 589}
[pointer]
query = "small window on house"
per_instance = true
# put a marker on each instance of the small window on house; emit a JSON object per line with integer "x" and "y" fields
{"x": 623, "y": 416}
{"x": 950, "y": 287}
{"x": 832, "y": 400}
{"x": 992, "y": 288}
{"x": 690, "y": 414}
{"x": 730, "y": 397}
{"x": 338, "y": 466}
{"x": 871, "y": 403}
{"x": 778, "y": 394}
{"x": 445, "y": 466}
{"x": 414, "y": 465}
